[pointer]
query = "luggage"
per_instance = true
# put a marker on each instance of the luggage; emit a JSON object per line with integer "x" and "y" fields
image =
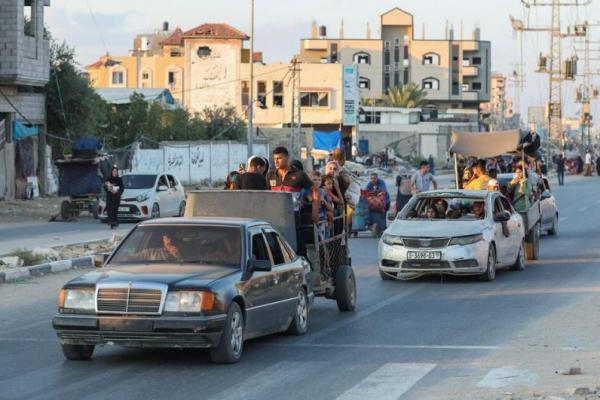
{"x": 377, "y": 202}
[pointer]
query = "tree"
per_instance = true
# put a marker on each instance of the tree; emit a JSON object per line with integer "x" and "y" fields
{"x": 222, "y": 123}
{"x": 73, "y": 108}
{"x": 407, "y": 96}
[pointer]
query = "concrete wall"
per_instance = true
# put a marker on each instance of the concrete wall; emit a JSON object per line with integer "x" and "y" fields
{"x": 195, "y": 162}
{"x": 32, "y": 105}
{"x": 7, "y": 171}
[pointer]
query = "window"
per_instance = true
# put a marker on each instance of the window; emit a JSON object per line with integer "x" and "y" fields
{"x": 476, "y": 60}
{"x": 333, "y": 52}
{"x": 261, "y": 94}
{"x": 288, "y": 253}
{"x": 466, "y": 62}
{"x": 362, "y": 58}
{"x": 364, "y": 83}
{"x": 476, "y": 85}
{"x": 386, "y": 57}
{"x": 203, "y": 51}
{"x": 259, "y": 249}
{"x": 275, "y": 248}
{"x": 397, "y": 78}
{"x": 397, "y": 54}
{"x": 145, "y": 75}
{"x": 172, "y": 78}
{"x": 370, "y": 117}
{"x": 431, "y": 59}
{"x": 277, "y": 94}
{"x": 386, "y": 44}
{"x": 431, "y": 84}
{"x": 406, "y": 55}
{"x": 29, "y": 19}
{"x": 117, "y": 77}
{"x": 386, "y": 81}
{"x": 465, "y": 87}
{"x": 245, "y": 93}
{"x": 175, "y": 52}
{"x": 405, "y": 79}
{"x": 314, "y": 99}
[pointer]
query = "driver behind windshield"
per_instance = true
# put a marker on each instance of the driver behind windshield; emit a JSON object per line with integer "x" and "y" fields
{"x": 167, "y": 252}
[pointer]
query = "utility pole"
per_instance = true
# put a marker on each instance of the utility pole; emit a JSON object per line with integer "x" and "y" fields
{"x": 295, "y": 112}
{"x": 251, "y": 84}
{"x": 552, "y": 62}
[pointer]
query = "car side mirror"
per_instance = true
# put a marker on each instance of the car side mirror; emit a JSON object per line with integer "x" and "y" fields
{"x": 502, "y": 217}
{"x": 259, "y": 265}
{"x": 162, "y": 188}
{"x": 100, "y": 259}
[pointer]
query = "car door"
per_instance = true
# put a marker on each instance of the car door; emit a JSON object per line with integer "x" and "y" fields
{"x": 547, "y": 205}
{"x": 502, "y": 242}
{"x": 286, "y": 275}
{"x": 173, "y": 196}
{"x": 260, "y": 294}
{"x": 162, "y": 196}
{"x": 515, "y": 227}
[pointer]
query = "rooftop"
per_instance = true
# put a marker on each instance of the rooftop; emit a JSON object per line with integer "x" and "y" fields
{"x": 216, "y": 31}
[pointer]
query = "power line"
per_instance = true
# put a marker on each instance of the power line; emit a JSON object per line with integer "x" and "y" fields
{"x": 97, "y": 26}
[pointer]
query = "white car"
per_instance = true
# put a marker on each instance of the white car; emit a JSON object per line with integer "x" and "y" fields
{"x": 456, "y": 241}
{"x": 148, "y": 196}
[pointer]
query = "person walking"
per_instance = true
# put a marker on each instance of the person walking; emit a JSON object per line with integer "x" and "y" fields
{"x": 422, "y": 179}
{"x": 114, "y": 190}
{"x": 588, "y": 163}
{"x": 560, "y": 169}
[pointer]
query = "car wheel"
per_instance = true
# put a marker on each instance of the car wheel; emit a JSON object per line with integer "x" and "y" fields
{"x": 532, "y": 245}
{"x": 519, "y": 264}
{"x": 299, "y": 324}
{"x": 230, "y": 346}
{"x": 387, "y": 276}
{"x": 181, "y": 209}
{"x": 76, "y": 352}
{"x": 155, "y": 211}
{"x": 345, "y": 288}
{"x": 490, "y": 271}
{"x": 65, "y": 210}
{"x": 554, "y": 229}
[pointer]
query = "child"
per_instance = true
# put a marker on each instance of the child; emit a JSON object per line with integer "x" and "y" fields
{"x": 324, "y": 207}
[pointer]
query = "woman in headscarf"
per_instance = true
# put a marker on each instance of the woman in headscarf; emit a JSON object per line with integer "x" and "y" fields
{"x": 114, "y": 190}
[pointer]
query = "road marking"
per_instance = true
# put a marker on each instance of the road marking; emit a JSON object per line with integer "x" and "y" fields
{"x": 388, "y": 382}
{"x": 385, "y": 346}
{"x": 507, "y": 376}
{"x": 528, "y": 292}
{"x": 259, "y": 385}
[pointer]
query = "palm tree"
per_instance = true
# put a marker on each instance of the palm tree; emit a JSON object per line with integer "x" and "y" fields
{"x": 406, "y": 96}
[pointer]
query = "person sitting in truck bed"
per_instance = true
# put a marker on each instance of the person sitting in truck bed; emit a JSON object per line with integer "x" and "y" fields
{"x": 253, "y": 178}
{"x": 520, "y": 190}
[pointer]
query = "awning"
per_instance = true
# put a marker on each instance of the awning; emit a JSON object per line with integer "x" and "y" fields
{"x": 326, "y": 140}
{"x": 484, "y": 144}
{"x": 21, "y": 131}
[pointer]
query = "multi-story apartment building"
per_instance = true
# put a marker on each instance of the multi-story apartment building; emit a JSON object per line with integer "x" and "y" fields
{"x": 210, "y": 66}
{"x": 499, "y": 109}
{"x": 24, "y": 71}
{"x": 455, "y": 72}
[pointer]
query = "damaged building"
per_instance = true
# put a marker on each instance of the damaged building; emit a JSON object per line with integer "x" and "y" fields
{"x": 24, "y": 71}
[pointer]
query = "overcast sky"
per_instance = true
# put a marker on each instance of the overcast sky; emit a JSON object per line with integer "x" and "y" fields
{"x": 280, "y": 24}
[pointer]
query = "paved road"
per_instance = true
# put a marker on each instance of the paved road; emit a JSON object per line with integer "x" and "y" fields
{"x": 435, "y": 338}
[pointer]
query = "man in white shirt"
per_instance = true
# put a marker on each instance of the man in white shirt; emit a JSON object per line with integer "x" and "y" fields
{"x": 422, "y": 179}
{"x": 588, "y": 163}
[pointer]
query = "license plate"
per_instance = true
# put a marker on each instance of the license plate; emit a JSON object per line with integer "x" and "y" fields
{"x": 124, "y": 209}
{"x": 424, "y": 255}
{"x": 125, "y": 325}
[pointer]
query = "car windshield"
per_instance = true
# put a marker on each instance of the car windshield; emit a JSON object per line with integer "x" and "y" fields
{"x": 444, "y": 207}
{"x": 139, "y": 181}
{"x": 185, "y": 244}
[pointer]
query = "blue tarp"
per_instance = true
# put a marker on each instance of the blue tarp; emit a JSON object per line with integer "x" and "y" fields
{"x": 21, "y": 131}
{"x": 326, "y": 140}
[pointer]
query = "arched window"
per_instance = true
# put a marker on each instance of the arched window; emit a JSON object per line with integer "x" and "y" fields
{"x": 118, "y": 76}
{"x": 364, "y": 83}
{"x": 431, "y": 84}
{"x": 431, "y": 59}
{"x": 146, "y": 78}
{"x": 362, "y": 58}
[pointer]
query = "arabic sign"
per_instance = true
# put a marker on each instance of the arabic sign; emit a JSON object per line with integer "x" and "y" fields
{"x": 351, "y": 94}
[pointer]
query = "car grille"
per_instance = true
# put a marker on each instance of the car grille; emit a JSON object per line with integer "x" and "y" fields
{"x": 130, "y": 299}
{"x": 426, "y": 264}
{"x": 417, "y": 243}
{"x": 466, "y": 264}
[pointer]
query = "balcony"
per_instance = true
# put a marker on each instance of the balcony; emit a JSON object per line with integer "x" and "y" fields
{"x": 471, "y": 45}
{"x": 312, "y": 44}
{"x": 471, "y": 70}
{"x": 470, "y": 96}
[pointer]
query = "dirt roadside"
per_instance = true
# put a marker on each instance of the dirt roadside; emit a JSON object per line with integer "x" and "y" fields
{"x": 40, "y": 209}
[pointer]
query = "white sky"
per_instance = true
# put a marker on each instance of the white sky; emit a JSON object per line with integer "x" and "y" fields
{"x": 280, "y": 24}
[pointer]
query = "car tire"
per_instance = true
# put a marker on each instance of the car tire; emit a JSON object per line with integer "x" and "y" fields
{"x": 345, "y": 288}
{"x": 75, "y": 352}
{"x": 519, "y": 264}
{"x": 532, "y": 245}
{"x": 65, "y": 210}
{"x": 490, "y": 271}
{"x": 299, "y": 324}
{"x": 385, "y": 276}
{"x": 155, "y": 213}
{"x": 554, "y": 230}
{"x": 231, "y": 344}
{"x": 181, "y": 209}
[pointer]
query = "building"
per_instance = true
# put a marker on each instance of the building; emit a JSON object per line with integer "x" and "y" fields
{"x": 209, "y": 65}
{"x": 24, "y": 71}
{"x": 455, "y": 72}
{"x": 499, "y": 110}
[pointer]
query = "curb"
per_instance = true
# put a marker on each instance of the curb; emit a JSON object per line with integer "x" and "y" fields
{"x": 46, "y": 268}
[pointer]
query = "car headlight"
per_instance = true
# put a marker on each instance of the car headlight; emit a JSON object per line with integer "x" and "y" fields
{"x": 189, "y": 301}
{"x": 392, "y": 240}
{"x": 464, "y": 240}
{"x": 143, "y": 197}
{"x": 77, "y": 299}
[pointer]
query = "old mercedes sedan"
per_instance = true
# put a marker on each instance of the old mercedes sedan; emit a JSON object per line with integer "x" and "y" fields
{"x": 188, "y": 282}
{"x": 458, "y": 232}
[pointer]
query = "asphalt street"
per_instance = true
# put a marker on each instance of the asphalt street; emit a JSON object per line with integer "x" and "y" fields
{"x": 432, "y": 338}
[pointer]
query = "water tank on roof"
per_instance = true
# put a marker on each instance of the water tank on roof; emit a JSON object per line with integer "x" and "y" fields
{"x": 323, "y": 31}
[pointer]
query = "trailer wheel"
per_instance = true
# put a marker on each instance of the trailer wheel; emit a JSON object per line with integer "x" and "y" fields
{"x": 532, "y": 246}
{"x": 65, "y": 210}
{"x": 95, "y": 206}
{"x": 345, "y": 288}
